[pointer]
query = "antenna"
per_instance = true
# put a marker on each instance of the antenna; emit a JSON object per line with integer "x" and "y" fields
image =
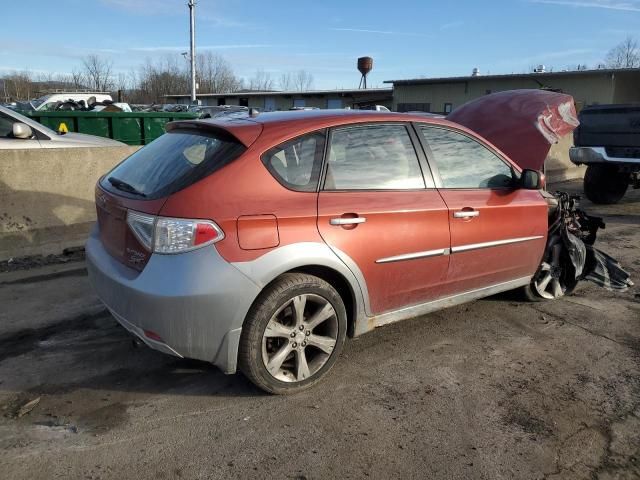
{"x": 365, "y": 65}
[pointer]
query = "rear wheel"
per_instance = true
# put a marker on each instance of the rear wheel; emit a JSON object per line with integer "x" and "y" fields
{"x": 293, "y": 334}
{"x": 604, "y": 184}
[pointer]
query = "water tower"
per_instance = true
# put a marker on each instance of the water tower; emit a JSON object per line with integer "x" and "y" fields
{"x": 365, "y": 65}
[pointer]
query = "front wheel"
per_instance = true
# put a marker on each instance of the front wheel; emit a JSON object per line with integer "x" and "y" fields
{"x": 554, "y": 279}
{"x": 293, "y": 334}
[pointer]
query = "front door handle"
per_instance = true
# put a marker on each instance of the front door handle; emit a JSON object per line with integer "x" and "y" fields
{"x": 347, "y": 221}
{"x": 466, "y": 214}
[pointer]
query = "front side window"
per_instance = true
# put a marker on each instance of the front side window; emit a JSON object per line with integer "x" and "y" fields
{"x": 296, "y": 164}
{"x": 372, "y": 157}
{"x": 172, "y": 162}
{"x": 465, "y": 163}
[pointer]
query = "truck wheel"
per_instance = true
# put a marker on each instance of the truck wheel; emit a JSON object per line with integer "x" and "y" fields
{"x": 604, "y": 184}
{"x": 293, "y": 334}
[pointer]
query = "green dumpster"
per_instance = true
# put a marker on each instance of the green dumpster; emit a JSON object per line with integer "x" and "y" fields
{"x": 132, "y": 128}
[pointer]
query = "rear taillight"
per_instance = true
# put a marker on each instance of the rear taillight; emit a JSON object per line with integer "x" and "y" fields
{"x": 172, "y": 235}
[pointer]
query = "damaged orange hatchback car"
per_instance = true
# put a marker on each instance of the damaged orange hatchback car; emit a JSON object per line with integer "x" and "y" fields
{"x": 261, "y": 243}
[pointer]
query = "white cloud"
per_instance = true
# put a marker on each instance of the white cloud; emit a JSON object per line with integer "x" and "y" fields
{"x": 198, "y": 47}
{"x": 381, "y": 32}
{"x": 629, "y": 5}
{"x": 450, "y": 25}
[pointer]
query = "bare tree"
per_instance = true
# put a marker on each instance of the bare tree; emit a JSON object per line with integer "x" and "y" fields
{"x": 302, "y": 80}
{"x": 77, "y": 79}
{"x": 97, "y": 72}
{"x": 215, "y": 74}
{"x": 18, "y": 86}
{"x": 624, "y": 55}
{"x": 261, "y": 81}
{"x": 286, "y": 82}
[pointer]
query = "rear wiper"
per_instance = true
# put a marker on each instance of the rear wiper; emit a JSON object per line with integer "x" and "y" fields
{"x": 125, "y": 187}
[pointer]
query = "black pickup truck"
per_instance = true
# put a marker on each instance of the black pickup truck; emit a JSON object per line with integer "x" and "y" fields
{"x": 608, "y": 143}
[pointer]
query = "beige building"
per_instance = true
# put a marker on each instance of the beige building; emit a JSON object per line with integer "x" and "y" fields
{"x": 588, "y": 87}
{"x": 272, "y": 101}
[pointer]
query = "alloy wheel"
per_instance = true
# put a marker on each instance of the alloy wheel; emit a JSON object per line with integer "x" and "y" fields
{"x": 300, "y": 338}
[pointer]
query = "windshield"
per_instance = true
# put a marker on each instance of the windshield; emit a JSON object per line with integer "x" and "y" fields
{"x": 172, "y": 162}
{"x": 39, "y": 101}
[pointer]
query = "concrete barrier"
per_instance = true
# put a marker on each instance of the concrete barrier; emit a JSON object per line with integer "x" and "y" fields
{"x": 47, "y": 197}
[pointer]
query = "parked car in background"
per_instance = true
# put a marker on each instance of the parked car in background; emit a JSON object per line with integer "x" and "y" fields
{"x": 608, "y": 143}
{"x": 213, "y": 111}
{"x": 20, "y": 132}
{"x": 375, "y": 108}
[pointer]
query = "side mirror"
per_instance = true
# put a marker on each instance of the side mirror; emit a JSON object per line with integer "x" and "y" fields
{"x": 532, "y": 180}
{"x": 22, "y": 130}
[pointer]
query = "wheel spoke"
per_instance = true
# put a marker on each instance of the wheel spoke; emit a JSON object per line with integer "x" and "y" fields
{"x": 545, "y": 267}
{"x": 556, "y": 288}
{"x": 325, "y": 344}
{"x": 542, "y": 284}
{"x": 298, "y": 307}
{"x": 275, "y": 329}
{"x": 320, "y": 316}
{"x": 278, "y": 359}
{"x": 302, "y": 367}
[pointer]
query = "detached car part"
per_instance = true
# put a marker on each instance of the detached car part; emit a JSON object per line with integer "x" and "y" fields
{"x": 570, "y": 255}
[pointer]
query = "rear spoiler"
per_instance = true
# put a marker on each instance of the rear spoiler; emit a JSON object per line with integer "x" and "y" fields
{"x": 244, "y": 131}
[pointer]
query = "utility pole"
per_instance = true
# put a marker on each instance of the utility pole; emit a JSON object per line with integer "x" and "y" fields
{"x": 192, "y": 15}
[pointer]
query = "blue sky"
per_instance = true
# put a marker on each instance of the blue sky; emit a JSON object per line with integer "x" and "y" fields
{"x": 407, "y": 39}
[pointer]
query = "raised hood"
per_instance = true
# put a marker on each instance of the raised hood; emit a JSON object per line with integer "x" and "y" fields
{"x": 522, "y": 123}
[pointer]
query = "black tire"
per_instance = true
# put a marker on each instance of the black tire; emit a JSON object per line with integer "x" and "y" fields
{"x": 604, "y": 184}
{"x": 272, "y": 300}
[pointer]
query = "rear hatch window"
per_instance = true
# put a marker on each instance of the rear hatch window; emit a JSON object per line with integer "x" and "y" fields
{"x": 172, "y": 162}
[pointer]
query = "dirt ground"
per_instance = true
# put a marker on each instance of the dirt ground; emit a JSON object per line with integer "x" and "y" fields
{"x": 493, "y": 389}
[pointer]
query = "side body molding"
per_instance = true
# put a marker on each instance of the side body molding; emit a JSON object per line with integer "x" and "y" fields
{"x": 267, "y": 267}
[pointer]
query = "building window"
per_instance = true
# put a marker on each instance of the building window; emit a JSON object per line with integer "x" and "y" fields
{"x": 448, "y": 107}
{"x": 243, "y": 102}
{"x": 333, "y": 103}
{"x": 414, "y": 107}
{"x": 222, "y": 101}
{"x": 299, "y": 102}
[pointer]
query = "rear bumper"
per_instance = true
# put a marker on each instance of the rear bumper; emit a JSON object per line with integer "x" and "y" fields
{"x": 589, "y": 155}
{"x": 195, "y": 302}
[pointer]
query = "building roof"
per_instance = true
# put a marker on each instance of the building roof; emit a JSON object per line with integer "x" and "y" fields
{"x": 602, "y": 71}
{"x": 253, "y": 93}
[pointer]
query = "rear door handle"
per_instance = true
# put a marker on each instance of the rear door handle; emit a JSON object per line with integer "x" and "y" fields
{"x": 347, "y": 221}
{"x": 466, "y": 214}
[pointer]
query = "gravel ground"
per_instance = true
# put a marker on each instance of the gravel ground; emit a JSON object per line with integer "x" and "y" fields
{"x": 493, "y": 389}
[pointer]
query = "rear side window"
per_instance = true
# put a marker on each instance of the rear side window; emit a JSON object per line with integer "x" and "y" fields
{"x": 465, "y": 163}
{"x": 372, "y": 157}
{"x": 296, "y": 164}
{"x": 172, "y": 162}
